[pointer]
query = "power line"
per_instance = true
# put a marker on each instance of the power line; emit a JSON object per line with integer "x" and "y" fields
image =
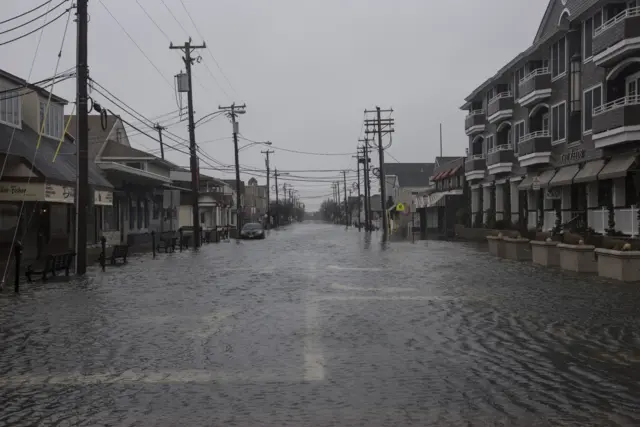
{"x": 174, "y": 18}
{"x": 24, "y": 24}
{"x": 26, "y": 13}
{"x": 137, "y": 45}
{"x": 210, "y": 53}
{"x": 37, "y": 29}
{"x": 300, "y": 152}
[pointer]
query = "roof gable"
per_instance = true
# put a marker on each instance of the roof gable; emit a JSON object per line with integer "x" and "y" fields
{"x": 549, "y": 24}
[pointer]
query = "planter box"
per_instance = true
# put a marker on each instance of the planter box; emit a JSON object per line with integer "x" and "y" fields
{"x": 545, "y": 253}
{"x": 517, "y": 249}
{"x": 619, "y": 265}
{"x": 578, "y": 258}
{"x": 496, "y": 246}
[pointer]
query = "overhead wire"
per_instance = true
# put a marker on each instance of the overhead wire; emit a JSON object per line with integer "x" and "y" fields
{"x": 35, "y": 153}
{"x": 137, "y": 45}
{"x": 36, "y": 29}
{"x": 27, "y": 12}
{"x": 275, "y": 147}
{"x": 24, "y": 24}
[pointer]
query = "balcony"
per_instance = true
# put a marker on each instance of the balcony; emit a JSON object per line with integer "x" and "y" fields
{"x": 535, "y": 87}
{"x": 474, "y": 167}
{"x": 617, "y": 38}
{"x": 500, "y": 107}
{"x": 535, "y": 149}
{"x": 500, "y": 159}
{"x": 617, "y": 122}
{"x": 475, "y": 122}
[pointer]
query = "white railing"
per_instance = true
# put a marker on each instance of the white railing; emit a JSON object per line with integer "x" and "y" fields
{"x": 475, "y": 113}
{"x": 504, "y": 147}
{"x": 628, "y": 13}
{"x": 626, "y": 220}
{"x": 476, "y": 157}
{"x": 501, "y": 95}
{"x": 538, "y": 134}
{"x": 620, "y": 102}
{"x": 537, "y": 72}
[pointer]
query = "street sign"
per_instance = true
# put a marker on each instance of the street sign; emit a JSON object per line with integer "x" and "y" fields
{"x": 400, "y": 207}
{"x": 536, "y": 184}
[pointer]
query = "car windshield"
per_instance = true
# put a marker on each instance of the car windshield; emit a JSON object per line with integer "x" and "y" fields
{"x": 252, "y": 227}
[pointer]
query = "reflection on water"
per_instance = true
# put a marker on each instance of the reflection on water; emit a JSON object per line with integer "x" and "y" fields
{"x": 318, "y": 326}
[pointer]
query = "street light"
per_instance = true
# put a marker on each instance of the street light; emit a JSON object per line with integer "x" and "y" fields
{"x": 254, "y": 143}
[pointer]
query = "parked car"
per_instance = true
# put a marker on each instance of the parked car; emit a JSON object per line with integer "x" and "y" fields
{"x": 252, "y": 230}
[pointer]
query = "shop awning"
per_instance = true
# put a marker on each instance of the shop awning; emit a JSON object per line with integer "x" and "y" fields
{"x": 453, "y": 171}
{"x": 545, "y": 177}
{"x": 526, "y": 183}
{"x": 436, "y": 176}
{"x": 433, "y": 199}
{"x": 564, "y": 176}
{"x": 617, "y": 167}
{"x": 589, "y": 172}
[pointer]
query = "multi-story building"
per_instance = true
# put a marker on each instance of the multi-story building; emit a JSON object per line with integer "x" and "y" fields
{"x": 255, "y": 198}
{"x": 557, "y": 129}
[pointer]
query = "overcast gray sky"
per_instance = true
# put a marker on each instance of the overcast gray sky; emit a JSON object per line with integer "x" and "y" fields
{"x": 306, "y": 69}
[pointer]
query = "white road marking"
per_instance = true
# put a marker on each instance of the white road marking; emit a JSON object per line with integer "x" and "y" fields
{"x": 340, "y": 287}
{"x": 337, "y": 267}
{"x": 143, "y": 377}
{"x": 382, "y": 298}
{"x": 313, "y": 357}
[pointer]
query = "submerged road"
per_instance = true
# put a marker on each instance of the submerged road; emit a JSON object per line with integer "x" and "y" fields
{"x": 315, "y": 326}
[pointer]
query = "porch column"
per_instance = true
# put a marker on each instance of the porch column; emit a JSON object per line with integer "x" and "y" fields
{"x": 619, "y": 199}
{"x": 486, "y": 203}
{"x": 566, "y": 203}
{"x": 499, "y": 201}
{"x": 515, "y": 202}
{"x": 532, "y": 203}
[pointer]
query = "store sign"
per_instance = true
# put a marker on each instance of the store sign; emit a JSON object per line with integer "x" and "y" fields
{"x": 59, "y": 193}
{"x": 572, "y": 156}
{"x": 577, "y": 155}
{"x": 102, "y": 198}
{"x": 536, "y": 184}
{"x": 554, "y": 193}
{"x": 18, "y": 192}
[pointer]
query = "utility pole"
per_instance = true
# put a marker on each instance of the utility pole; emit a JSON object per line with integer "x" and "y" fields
{"x": 378, "y": 124}
{"x": 277, "y": 221}
{"x": 440, "y": 139}
{"x": 82, "y": 132}
{"x": 160, "y": 129}
{"x": 349, "y": 218}
{"x": 338, "y": 190}
{"x": 266, "y": 162}
{"x": 188, "y": 49}
{"x": 233, "y": 111}
{"x": 346, "y": 204}
{"x": 357, "y": 156}
{"x": 367, "y": 186}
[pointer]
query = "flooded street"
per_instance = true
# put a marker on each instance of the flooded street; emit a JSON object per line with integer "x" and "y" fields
{"x": 315, "y": 326}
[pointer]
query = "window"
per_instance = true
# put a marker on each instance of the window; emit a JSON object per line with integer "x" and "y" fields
{"x": 545, "y": 122}
{"x": 53, "y": 121}
{"x": 632, "y": 85}
{"x": 491, "y": 94}
{"x": 558, "y": 58}
{"x": 132, "y": 214}
{"x": 145, "y": 213}
{"x": 10, "y": 109}
{"x": 140, "y": 213}
{"x": 587, "y": 39}
{"x": 605, "y": 192}
{"x": 559, "y": 122}
{"x": 592, "y": 99}
{"x": 490, "y": 142}
{"x": 110, "y": 217}
{"x": 597, "y": 21}
{"x": 519, "y": 130}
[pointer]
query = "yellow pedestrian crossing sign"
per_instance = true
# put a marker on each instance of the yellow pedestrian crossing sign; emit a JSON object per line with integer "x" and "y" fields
{"x": 400, "y": 207}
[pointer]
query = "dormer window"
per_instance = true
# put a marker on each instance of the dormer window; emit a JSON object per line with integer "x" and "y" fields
{"x": 10, "y": 109}
{"x": 53, "y": 125}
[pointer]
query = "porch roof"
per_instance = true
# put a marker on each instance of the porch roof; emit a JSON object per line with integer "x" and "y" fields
{"x": 63, "y": 169}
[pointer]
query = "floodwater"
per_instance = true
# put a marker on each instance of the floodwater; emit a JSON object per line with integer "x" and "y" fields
{"x": 318, "y": 326}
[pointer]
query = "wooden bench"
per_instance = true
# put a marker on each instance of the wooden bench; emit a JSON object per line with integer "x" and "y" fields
{"x": 52, "y": 264}
{"x": 167, "y": 243}
{"x": 119, "y": 251}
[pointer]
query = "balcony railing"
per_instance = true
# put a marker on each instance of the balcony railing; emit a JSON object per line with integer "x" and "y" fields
{"x": 476, "y": 157}
{"x": 534, "y": 135}
{"x": 501, "y": 95}
{"x": 475, "y": 113}
{"x": 475, "y": 122}
{"x": 539, "y": 72}
{"x": 618, "y": 103}
{"x": 504, "y": 147}
{"x": 628, "y": 13}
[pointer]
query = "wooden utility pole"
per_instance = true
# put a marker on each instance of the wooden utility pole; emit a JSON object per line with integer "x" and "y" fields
{"x": 357, "y": 156}
{"x": 277, "y": 221}
{"x": 188, "y": 49}
{"x": 266, "y": 163}
{"x": 346, "y": 204}
{"x": 160, "y": 129}
{"x": 367, "y": 187}
{"x": 82, "y": 137}
{"x": 379, "y": 125}
{"x": 232, "y": 112}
